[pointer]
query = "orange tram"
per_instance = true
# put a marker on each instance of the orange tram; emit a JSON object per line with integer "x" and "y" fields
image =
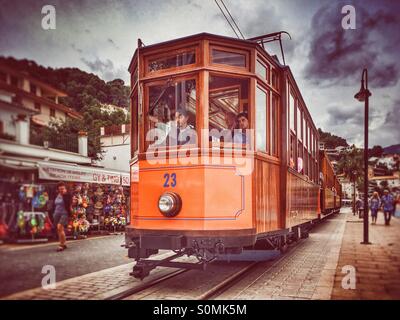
{"x": 248, "y": 173}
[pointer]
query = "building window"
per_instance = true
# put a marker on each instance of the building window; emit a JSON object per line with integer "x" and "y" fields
{"x": 261, "y": 120}
{"x": 3, "y": 76}
{"x": 14, "y": 81}
{"x": 229, "y": 58}
{"x": 32, "y": 88}
{"x": 37, "y": 106}
{"x": 52, "y": 112}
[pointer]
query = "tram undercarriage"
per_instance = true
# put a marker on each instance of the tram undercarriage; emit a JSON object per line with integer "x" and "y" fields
{"x": 205, "y": 249}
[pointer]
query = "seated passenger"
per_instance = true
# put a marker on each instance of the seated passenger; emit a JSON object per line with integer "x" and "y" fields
{"x": 185, "y": 131}
{"x": 240, "y": 135}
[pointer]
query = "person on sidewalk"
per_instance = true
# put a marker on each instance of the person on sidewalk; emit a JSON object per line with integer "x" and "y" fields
{"x": 62, "y": 211}
{"x": 374, "y": 204}
{"x": 387, "y": 205}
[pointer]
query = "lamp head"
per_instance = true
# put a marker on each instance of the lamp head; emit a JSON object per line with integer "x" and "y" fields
{"x": 363, "y": 93}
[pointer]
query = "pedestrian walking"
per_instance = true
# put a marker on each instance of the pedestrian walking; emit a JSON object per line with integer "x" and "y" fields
{"x": 375, "y": 204}
{"x": 62, "y": 211}
{"x": 387, "y": 205}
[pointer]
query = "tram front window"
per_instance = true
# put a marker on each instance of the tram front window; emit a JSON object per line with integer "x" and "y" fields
{"x": 228, "y": 110}
{"x": 172, "y": 113}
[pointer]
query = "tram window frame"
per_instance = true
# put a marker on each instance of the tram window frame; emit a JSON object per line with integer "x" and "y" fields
{"x": 229, "y": 49}
{"x": 134, "y": 123}
{"x": 274, "y": 79}
{"x": 266, "y": 144}
{"x": 298, "y": 122}
{"x": 274, "y": 124}
{"x": 261, "y": 64}
{"x": 146, "y": 89}
{"x": 171, "y": 53}
{"x": 135, "y": 76}
{"x": 243, "y": 106}
{"x": 292, "y": 110}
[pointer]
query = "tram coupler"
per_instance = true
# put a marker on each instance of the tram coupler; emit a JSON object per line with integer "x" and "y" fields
{"x": 143, "y": 267}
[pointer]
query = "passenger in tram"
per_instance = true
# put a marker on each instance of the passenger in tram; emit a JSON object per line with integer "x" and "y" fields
{"x": 243, "y": 123}
{"x": 185, "y": 132}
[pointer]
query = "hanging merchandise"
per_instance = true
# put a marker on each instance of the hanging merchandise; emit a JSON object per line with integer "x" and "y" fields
{"x": 21, "y": 222}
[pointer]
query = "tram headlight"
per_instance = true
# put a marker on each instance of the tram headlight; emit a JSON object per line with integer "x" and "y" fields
{"x": 169, "y": 204}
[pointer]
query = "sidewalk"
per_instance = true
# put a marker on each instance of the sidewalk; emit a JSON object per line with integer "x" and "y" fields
{"x": 377, "y": 265}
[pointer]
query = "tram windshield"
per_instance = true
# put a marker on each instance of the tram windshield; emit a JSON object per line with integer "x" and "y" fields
{"x": 172, "y": 113}
{"x": 228, "y": 109}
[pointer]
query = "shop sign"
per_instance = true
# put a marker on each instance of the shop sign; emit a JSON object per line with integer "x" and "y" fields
{"x": 79, "y": 174}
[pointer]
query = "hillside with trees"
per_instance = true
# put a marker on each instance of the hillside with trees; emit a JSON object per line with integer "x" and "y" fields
{"x": 331, "y": 141}
{"x": 83, "y": 89}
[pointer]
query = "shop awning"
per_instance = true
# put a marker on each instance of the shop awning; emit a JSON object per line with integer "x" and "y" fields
{"x": 64, "y": 172}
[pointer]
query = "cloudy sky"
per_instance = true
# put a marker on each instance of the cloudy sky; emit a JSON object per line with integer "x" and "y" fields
{"x": 100, "y": 37}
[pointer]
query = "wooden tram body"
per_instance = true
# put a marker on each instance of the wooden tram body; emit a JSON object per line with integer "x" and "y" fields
{"x": 221, "y": 209}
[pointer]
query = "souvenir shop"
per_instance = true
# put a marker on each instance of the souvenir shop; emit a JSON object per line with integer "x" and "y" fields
{"x": 100, "y": 201}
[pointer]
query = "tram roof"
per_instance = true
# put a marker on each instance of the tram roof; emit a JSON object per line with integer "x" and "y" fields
{"x": 205, "y": 35}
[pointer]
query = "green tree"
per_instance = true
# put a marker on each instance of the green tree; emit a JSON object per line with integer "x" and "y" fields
{"x": 331, "y": 141}
{"x": 376, "y": 151}
{"x": 93, "y": 120}
{"x": 351, "y": 164}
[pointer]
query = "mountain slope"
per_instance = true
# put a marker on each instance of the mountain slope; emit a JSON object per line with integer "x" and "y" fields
{"x": 83, "y": 89}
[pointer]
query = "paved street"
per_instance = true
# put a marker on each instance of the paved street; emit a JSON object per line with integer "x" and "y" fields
{"x": 377, "y": 265}
{"x": 21, "y": 266}
{"x": 98, "y": 269}
{"x": 306, "y": 272}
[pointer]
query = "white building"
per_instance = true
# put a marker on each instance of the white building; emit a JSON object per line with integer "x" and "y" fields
{"x": 115, "y": 142}
{"x": 23, "y": 89}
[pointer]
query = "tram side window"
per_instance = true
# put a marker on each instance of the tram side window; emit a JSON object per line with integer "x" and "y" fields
{"x": 134, "y": 115}
{"x": 172, "y": 60}
{"x": 292, "y": 112}
{"x": 304, "y": 131}
{"x": 229, "y": 58}
{"x": 274, "y": 79}
{"x": 262, "y": 70}
{"x": 298, "y": 124}
{"x": 172, "y": 111}
{"x": 228, "y": 110}
{"x": 274, "y": 125}
{"x": 261, "y": 120}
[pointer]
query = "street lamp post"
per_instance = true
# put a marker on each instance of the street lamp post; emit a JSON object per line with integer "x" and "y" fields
{"x": 363, "y": 96}
{"x": 354, "y": 191}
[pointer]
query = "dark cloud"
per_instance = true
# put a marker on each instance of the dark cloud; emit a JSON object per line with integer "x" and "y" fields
{"x": 337, "y": 56}
{"x": 392, "y": 119}
{"x": 105, "y": 68}
{"x": 109, "y": 40}
{"x": 73, "y": 46}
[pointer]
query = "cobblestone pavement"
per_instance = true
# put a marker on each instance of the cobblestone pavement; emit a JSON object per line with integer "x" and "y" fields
{"x": 377, "y": 265}
{"x": 309, "y": 270}
{"x": 93, "y": 286}
{"x": 306, "y": 272}
{"x": 21, "y": 265}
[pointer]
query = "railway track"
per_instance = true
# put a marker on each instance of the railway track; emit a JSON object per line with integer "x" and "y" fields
{"x": 209, "y": 294}
{"x": 147, "y": 285}
{"x": 218, "y": 289}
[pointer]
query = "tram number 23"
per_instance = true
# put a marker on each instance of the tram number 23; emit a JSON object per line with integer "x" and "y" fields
{"x": 169, "y": 180}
